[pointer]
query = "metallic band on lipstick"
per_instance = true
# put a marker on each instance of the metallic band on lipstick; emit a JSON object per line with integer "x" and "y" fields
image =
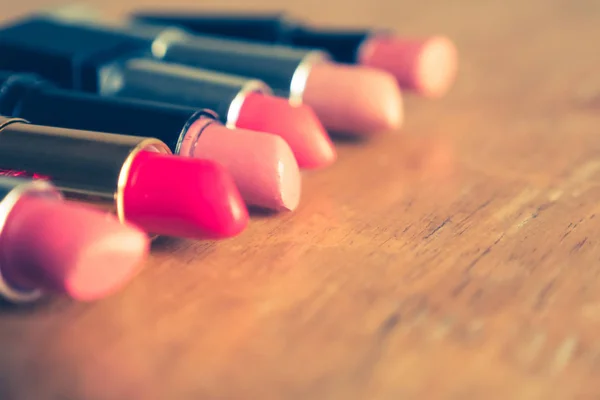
{"x": 298, "y": 83}
{"x": 190, "y": 50}
{"x": 11, "y": 190}
{"x": 235, "y": 107}
{"x": 204, "y": 117}
{"x": 149, "y": 79}
{"x": 87, "y": 165}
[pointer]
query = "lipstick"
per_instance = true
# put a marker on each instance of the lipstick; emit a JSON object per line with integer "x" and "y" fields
{"x": 49, "y": 246}
{"x": 135, "y": 176}
{"x": 426, "y": 65}
{"x": 72, "y": 53}
{"x": 262, "y": 165}
{"x": 240, "y": 102}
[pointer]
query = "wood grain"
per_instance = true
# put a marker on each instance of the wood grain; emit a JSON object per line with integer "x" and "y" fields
{"x": 457, "y": 259}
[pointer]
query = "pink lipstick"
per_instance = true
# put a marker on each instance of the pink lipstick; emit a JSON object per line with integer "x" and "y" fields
{"x": 137, "y": 177}
{"x": 49, "y": 246}
{"x": 425, "y": 65}
{"x": 262, "y": 165}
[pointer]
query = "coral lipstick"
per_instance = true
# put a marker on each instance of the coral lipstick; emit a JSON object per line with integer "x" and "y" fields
{"x": 262, "y": 165}
{"x": 303, "y": 131}
{"x": 425, "y": 65}
{"x": 138, "y": 177}
{"x": 239, "y": 102}
{"x": 49, "y": 246}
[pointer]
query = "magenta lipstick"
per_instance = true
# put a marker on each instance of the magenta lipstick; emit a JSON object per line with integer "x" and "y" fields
{"x": 136, "y": 177}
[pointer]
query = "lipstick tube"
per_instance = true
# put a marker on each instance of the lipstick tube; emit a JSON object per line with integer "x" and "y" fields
{"x": 107, "y": 61}
{"x": 35, "y": 99}
{"x": 141, "y": 78}
{"x": 84, "y": 165}
{"x": 11, "y": 191}
{"x": 134, "y": 176}
{"x": 342, "y": 45}
{"x": 283, "y": 68}
{"x": 71, "y": 53}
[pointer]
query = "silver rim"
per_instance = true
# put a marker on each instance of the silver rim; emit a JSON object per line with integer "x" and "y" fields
{"x": 252, "y": 86}
{"x": 9, "y": 293}
{"x": 298, "y": 83}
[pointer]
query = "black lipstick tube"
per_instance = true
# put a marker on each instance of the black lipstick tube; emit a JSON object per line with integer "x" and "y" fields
{"x": 29, "y": 97}
{"x": 106, "y": 61}
{"x": 285, "y": 69}
{"x": 85, "y": 165}
{"x": 343, "y": 45}
{"x": 141, "y": 78}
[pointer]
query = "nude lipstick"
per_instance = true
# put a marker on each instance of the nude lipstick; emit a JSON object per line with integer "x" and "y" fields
{"x": 72, "y": 53}
{"x": 135, "y": 176}
{"x": 50, "y": 246}
{"x": 262, "y": 165}
{"x": 426, "y": 65}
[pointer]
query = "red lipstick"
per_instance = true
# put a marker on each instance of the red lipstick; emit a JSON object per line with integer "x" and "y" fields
{"x": 145, "y": 184}
{"x": 50, "y": 246}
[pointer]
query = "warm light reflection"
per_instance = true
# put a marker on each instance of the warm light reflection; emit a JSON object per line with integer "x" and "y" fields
{"x": 22, "y": 174}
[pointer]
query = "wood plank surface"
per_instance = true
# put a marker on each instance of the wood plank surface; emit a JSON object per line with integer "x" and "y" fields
{"x": 457, "y": 259}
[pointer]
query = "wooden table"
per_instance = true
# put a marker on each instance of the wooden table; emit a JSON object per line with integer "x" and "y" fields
{"x": 457, "y": 259}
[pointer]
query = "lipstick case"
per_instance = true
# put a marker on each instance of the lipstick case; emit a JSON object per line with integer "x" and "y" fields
{"x": 84, "y": 165}
{"x": 343, "y": 45}
{"x": 141, "y": 78}
{"x": 283, "y": 68}
{"x": 104, "y": 60}
{"x": 27, "y": 96}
